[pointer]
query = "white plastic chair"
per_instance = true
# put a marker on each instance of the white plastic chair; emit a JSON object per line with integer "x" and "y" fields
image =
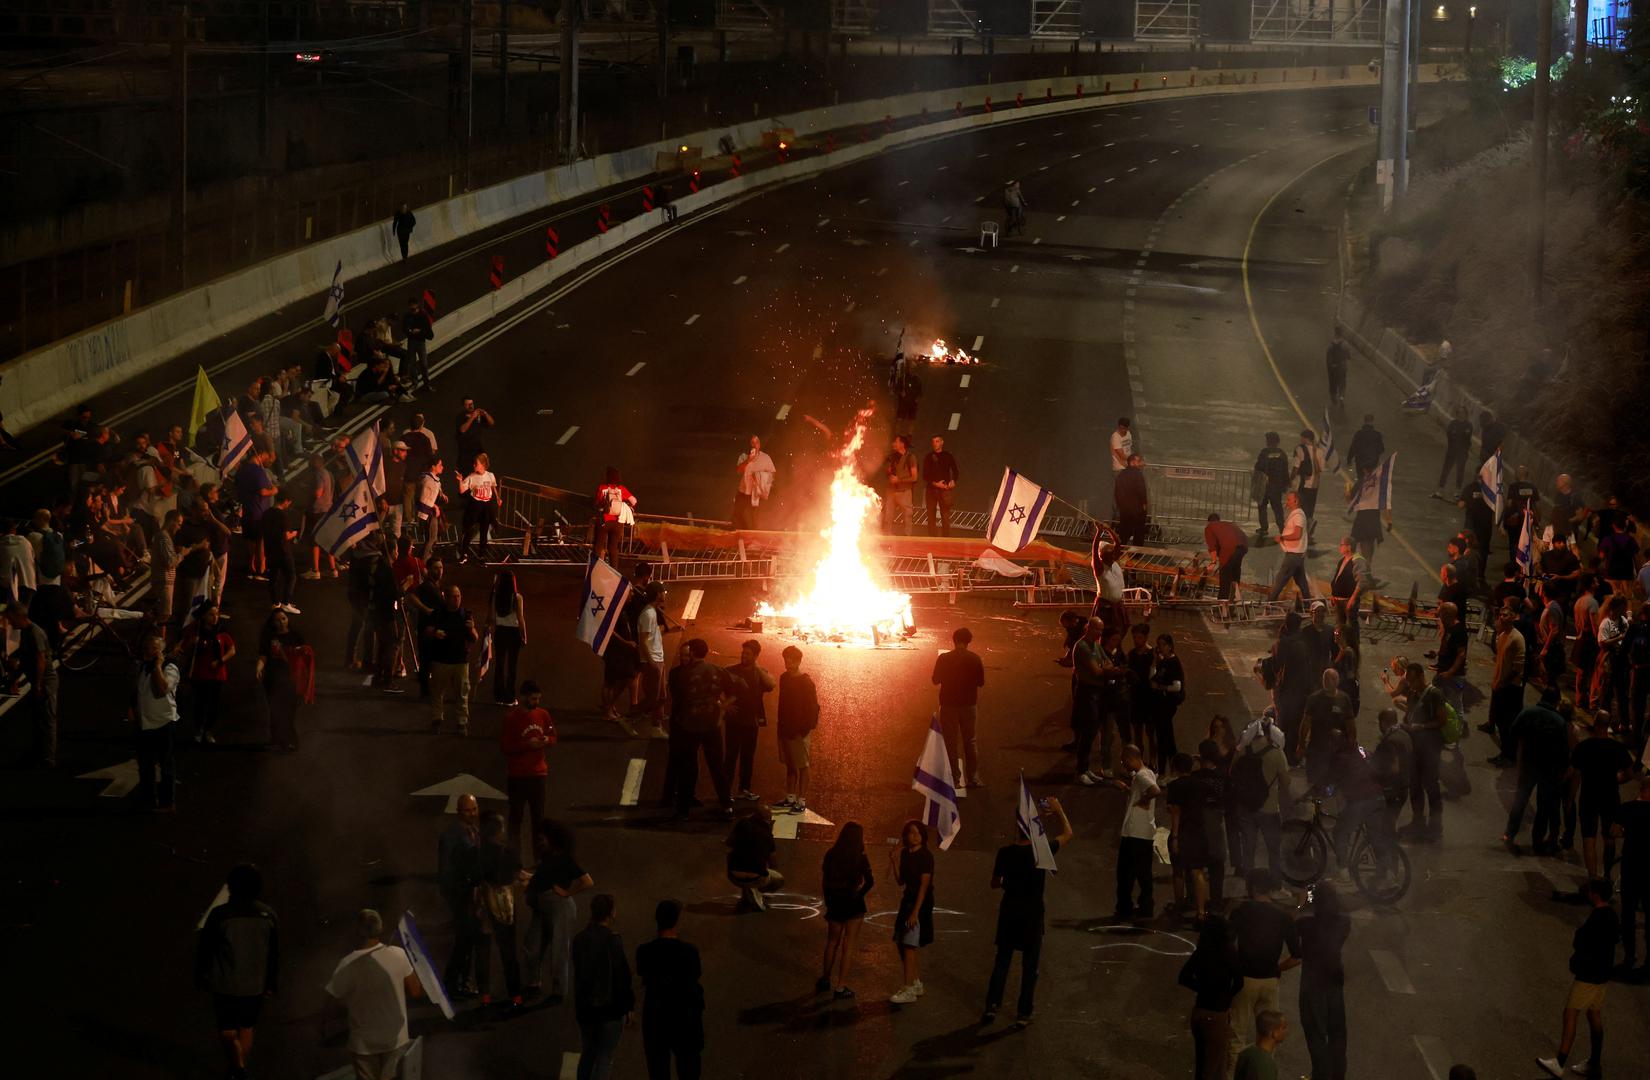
{"x": 988, "y": 234}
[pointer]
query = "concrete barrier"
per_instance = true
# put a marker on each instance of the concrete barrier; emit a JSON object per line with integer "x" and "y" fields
{"x": 40, "y": 385}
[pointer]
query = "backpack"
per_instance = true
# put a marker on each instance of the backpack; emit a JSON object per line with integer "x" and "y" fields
{"x": 1453, "y": 729}
{"x": 54, "y": 554}
{"x": 1249, "y": 784}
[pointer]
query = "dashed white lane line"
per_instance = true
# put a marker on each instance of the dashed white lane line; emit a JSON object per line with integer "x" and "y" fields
{"x": 882, "y": 271}
{"x": 1074, "y": 202}
{"x": 1042, "y": 168}
{"x": 1134, "y": 168}
{"x": 1111, "y": 144}
{"x": 1074, "y": 157}
{"x": 1035, "y": 240}
{"x": 637, "y": 366}
{"x": 691, "y": 319}
{"x": 1091, "y": 192}
{"x": 824, "y": 221}
{"x": 978, "y": 341}
{"x": 1019, "y": 144}
{"x": 902, "y": 183}
{"x": 740, "y": 280}
{"x": 1392, "y": 972}
{"x": 1062, "y": 217}
{"x": 1015, "y": 269}
{"x": 631, "y": 793}
{"x": 862, "y": 202}
{"x": 956, "y": 418}
{"x": 1151, "y": 161}
{"x": 978, "y": 156}
{"x": 962, "y": 384}
{"x": 569, "y": 1066}
{"x": 851, "y": 305}
{"x": 995, "y": 300}
{"x": 784, "y": 411}
{"x": 913, "y": 242}
{"x": 942, "y": 168}
{"x": 782, "y": 248}
{"x": 568, "y": 434}
{"x": 1435, "y": 1055}
{"x": 1109, "y": 179}
{"x": 979, "y": 198}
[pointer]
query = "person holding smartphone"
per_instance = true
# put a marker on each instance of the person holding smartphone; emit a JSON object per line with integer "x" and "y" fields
{"x": 913, "y": 866}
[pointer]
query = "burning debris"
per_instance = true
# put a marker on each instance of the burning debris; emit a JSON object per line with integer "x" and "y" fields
{"x": 940, "y": 353}
{"x": 841, "y": 599}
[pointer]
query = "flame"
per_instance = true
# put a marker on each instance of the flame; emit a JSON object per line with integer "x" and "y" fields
{"x": 940, "y": 353}
{"x": 842, "y": 600}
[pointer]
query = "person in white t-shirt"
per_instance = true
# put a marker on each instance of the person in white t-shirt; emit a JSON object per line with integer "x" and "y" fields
{"x": 1293, "y": 542}
{"x": 1122, "y": 445}
{"x": 651, "y": 626}
{"x": 1134, "y": 850}
{"x": 373, "y": 984}
{"x": 479, "y": 492}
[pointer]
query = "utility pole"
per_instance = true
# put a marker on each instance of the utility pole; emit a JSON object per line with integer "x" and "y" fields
{"x": 1538, "y": 138}
{"x": 503, "y": 65}
{"x": 1393, "y": 149}
{"x": 467, "y": 76}
{"x": 567, "y": 101}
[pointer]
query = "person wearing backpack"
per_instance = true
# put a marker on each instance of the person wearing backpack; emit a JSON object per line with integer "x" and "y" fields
{"x": 496, "y": 871}
{"x": 1257, "y": 775}
{"x": 1427, "y": 713}
{"x": 1394, "y": 758}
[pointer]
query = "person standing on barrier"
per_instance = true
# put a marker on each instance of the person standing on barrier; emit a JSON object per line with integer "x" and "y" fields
{"x": 1346, "y": 585}
{"x": 1130, "y": 497}
{"x": 756, "y": 473}
{"x": 1227, "y": 545}
{"x": 1292, "y": 539}
{"x": 416, "y": 325}
{"x": 939, "y": 475}
{"x": 900, "y": 472}
{"x": 1271, "y": 479}
{"x": 615, "y": 507}
{"x": 480, "y": 491}
{"x": 1122, "y": 445}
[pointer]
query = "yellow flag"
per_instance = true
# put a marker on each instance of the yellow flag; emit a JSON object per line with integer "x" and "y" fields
{"x": 206, "y": 401}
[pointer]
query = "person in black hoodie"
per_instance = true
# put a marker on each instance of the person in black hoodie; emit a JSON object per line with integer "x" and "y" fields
{"x": 1593, "y": 955}
{"x": 237, "y": 957}
{"x": 673, "y": 1012}
{"x": 1212, "y": 973}
{"x": 603, "y": 997}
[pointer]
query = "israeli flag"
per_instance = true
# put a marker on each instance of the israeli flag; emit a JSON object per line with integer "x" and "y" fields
{"x": 1374, "y": 492}
{"x": 423, "y": 963}
{"x": 1018, "y": 512}
{"x": 605, "y": 593}
{"x": 1326, "y": 439}
{"x": 934, "y": 781}
{"x": 333, "y": 312}
{"x": 351, "y": 518}
{"x": 1421, "y": 399}
{"x": 1524, "y": 556}
{"x": 237, "y": 442}
{"x": 366, "y": 458}
{"x": 1031, "y": 823}
{"x": 1490, "y": 484}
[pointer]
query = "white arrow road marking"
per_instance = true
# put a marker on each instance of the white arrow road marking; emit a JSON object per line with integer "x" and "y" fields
{"x": 218, "y": 901}
{"x": 122, "y": 779}
{"x": 631, "y": 793}
{"x": 785, "y": 826}
{"x": 462, "y": 784}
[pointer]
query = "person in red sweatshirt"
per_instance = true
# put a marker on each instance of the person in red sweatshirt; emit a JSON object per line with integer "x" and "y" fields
{"x": 528, "y": 731}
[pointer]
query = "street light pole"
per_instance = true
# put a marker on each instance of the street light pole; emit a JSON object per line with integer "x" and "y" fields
{"x": 1394, "y": 104}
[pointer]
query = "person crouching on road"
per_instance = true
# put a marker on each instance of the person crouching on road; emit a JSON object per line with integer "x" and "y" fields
{"x": 750, "y": 859}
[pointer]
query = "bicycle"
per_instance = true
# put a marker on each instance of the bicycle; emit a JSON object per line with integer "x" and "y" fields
{"x": 102, "y": 627}
{"x": 1306, "y": 847}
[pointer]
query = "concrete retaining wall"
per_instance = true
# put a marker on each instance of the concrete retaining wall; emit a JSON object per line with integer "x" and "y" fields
{"x": 47, "y": 382}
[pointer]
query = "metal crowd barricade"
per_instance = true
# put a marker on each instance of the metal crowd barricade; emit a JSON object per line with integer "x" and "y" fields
{"x": 1185, "y": 495}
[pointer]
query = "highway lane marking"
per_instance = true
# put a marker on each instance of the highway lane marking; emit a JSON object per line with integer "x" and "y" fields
{"x": 1173, "y": 152}
{"x": 1015, "y": 269}
{"x": 1111, "y": 144}
{"x": 1133, "y": 168}
{"x": 1074, "y": 202}
{"x": 824, "y": 221}
{"x": 963, "y": 382}
{"x": 569, "y": 1066}
{"x": 995, "y": 300}
{"x": 740, "y": 280}
{"x": 1266, "y": 350}
{"x": 1091, "y": 192}
{"x": 1062, "y": 217}
{"x": 639, "y": 365}
{"x": 1151, "y": 161}
{"x": 1434, "y": 1055}
{"x": 978, "y": 156}
{"x": 784, "y": 411}
{"x": 819, "y": 350}
{"x": 631, "y": 793}
{"x": 691, "y": 612}
{"x": 1019, "y": 144}
{"x": 862, "y": 202}
{"x": 1042, "y": 168}
{"x": 882, "y": 271}
{"x": 782, "y": 248}
{"x": 913, "y": 242}
{"x": 849, "y": 309}
{"x": 691, "y": 319}
{"x": 1392, "y": 972}
{"x": 1035, "y": 240}
{"x": 902, "y": 183}
{"x": 942, "y": 168}
{"x": 956, "y": 418}
{"x": 568, "y": 434}
{"x": 1109, "y": 179}
{"x": 979, "y": 340}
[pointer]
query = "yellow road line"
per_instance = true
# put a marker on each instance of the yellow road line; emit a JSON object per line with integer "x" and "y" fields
{"x": 1266, "y": 350}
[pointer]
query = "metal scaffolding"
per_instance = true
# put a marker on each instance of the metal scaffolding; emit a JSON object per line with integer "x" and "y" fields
{"x": 1057, "y": 18}
{"x": 1166, "y": 19}
{"x": 952, "y": 17}
{"x": 1335, "y": 22}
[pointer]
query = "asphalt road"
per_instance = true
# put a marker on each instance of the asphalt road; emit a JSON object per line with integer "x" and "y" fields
{"x": 783, "y": 306}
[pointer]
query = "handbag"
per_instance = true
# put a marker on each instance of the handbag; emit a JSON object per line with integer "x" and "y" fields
{"x": 496, "y": 902}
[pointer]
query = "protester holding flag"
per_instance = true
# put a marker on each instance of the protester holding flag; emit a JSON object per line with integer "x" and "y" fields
{"x": 913, "y": 868}
{"x": 1021, "y": 872}
{"x": 1017, "y": 513}
{"x": 1371, "y": 508}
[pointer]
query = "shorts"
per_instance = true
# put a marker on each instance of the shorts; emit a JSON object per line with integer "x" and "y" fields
{"x": 1596, "y": 813}
{"x": 1585, "y": 996}
{"x": 794, "y": 752}
{"x": 250, "y": 530}
{"x": 236, "y": 1013}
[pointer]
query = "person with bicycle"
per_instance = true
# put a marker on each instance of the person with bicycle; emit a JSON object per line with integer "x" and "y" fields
{"x": 1257, "y": 775}
{"x": 1426, "y": 712}
{"x": 1353, "y": 777}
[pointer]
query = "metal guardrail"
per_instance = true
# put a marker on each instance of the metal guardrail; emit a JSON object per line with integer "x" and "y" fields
{"x": 1185, "y": 495}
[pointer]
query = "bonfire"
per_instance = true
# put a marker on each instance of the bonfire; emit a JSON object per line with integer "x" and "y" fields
{"x": 841, "y": 598}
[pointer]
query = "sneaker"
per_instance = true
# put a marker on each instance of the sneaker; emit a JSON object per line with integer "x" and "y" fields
{"x": 290, "y": 609}
{"x": 783, "y": 806}
{"x": 657, "y": 732}
{"x": 1022, "y": 1022}
{"x": 311, "y": 575}
{"x": 749, "y": 796}
{"x": 919, "y": 988}
{"x": 628, "y": 728}
{"x": 799, "y": 806}
{"x": 842, "y": 993}
{"x": 1582, "y": 1068}
{"x": 989, "y": 1016}
{"x": 1551, "y": 1066}
{"x": 906, "y": 995}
